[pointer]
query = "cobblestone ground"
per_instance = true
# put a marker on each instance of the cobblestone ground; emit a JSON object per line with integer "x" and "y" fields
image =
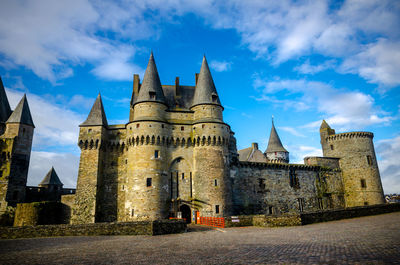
{"x": 366, "y": 240}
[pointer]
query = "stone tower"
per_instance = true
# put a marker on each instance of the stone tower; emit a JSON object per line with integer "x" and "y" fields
{"x": 361, "y": 179}
{"x": 15, "y": 149}
{"x": 92, "y": 134}
{"x": 211, "y": 155}
{"x": 147, "y": 189}
{"x": 275, "y": 152}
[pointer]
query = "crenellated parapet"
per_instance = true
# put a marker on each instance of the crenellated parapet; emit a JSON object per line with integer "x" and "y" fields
{"x": 349, "y": 135}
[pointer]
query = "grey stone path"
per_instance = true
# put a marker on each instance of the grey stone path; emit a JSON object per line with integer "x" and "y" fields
{"x": 366, "y": 240}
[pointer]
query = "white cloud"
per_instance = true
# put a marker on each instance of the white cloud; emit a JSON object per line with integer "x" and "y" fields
{"x": 348, "y": 110}
{"x": 55, "y": 124}
{"x": 298, "y": 152}
{"x": 389, "y": 152}
{"x": 292, "y": 131}
{"x": 66, "y": 166}
{"x": 220, "y": 66}
{"x": 307, "y": 68}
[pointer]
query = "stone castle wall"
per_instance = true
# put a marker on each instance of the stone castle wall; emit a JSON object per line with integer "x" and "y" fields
{"x": 281, "y": 188}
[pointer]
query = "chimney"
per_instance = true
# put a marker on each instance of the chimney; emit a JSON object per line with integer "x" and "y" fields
{"x": 254, "y": 146}
{"x": 177, "y": 86}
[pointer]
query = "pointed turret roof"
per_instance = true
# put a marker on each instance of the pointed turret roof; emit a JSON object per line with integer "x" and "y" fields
{"x": 21, "y": 114}
{"x": 274, "y": 143}
{"x": 97, "y": 116}
{"x": 51, "y": 178}
{"x": 324, "y": 125}
{"x": 150, "y": 89}
{"x": 205, "y": 92}
{"x": 5, "y": 110}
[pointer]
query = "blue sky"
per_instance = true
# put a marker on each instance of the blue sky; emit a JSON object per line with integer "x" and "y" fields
{"x": 300, "y": 61}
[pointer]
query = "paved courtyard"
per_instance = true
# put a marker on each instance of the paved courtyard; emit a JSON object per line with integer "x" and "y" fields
{"x": 371, "y": 240}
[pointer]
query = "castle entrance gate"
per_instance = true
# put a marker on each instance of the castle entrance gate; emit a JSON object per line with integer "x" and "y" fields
{"x": 181, "y": 186}
{"x": 186, "y": 213}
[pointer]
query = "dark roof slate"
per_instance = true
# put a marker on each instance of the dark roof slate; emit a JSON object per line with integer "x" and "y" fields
{"x": 51, "y": 178}
{"x": 97, "y": 115}
{"x": 274, "y": 143}
{"x": 22, "y": 113}
{"x": 205, "y": 92}
{"x": 5, "y": 110}
{"x": 151, "y": 84}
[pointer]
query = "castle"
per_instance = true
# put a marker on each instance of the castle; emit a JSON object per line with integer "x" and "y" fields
{"x": 176, "y": 157}
{"x": 16, "y": 134}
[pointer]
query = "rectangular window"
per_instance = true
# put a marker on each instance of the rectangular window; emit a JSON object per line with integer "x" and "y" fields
{"x": 215, "y": 182}
{"x": 320, "y": 204}
{"x": 216, "y": 208}
{"x": 182, "y": 128}
{"x": 156, "y": 154}
{"x": 369, "y": 160}
{"x": 365, "y": 203}
{"x": 183, "y": 176}
{"x": 152, "y": 95}
{"x": 301, "y": 204}
{"x": 132, "y": 212}
{"x": 148, "y": 182}
{"x": 363, "y": 183}
{"x": 138, "y": 125}
{"x": 331, "y": 147}
{"x": 261, "y": 184}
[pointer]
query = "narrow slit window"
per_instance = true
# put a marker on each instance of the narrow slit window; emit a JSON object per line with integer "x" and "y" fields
{"x": 156, "y": 154}
{"x": 363, "y": 183}
{"x": 215, "y": 182}
{"x": 369, "y": 160}
{"x": 216, "y": 208}
{"x": 148, "y": 182}
{"x": 183, "y": 175}
{"x": 331, "y": 146}
{"x": 182, "y": 128}
{"x": 132, "y": 212}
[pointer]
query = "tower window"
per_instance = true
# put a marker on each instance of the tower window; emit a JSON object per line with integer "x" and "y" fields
{"x": 156, "y": 153}
{"x": 148, "y": 182}
{"x": 261, "y": 184}
{"x": 214, "y": 98}
{"x": 363, "y": 183}
{"x": 203, "y": 126}
{"x": 132, "y": 212}
{"x": 152, "y": 95}
{"x": 331, "y": 146}
{"x": 301, "y": 204}
{"x": 182, "y": 128}
{"x": 369, "y": 160}
{"x": 216, "y": 208}
{"x": 183, "y": 175}
{"x": 215, "y": 182}
{"x": 162, "y": 125}
{"x": 138, "y": 125}
{"x": 89, "y": 130}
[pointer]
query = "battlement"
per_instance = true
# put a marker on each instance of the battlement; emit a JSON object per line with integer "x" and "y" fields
{"x": 350, "y": 135}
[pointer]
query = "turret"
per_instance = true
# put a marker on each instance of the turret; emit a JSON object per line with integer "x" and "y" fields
{"x": 206, "y": 104}
{"x": 19, "y": 127}
{"x": 360, "y": 172}
{"x": 92, "y": 137}
{"x": 325, "y": 130}
{"x": 149, "y": 102}
{"x": 5, "y": 110}
{"x": 211, "y": 154}
{"x": 51, "y": 181}
{"x": 275, "y": 151}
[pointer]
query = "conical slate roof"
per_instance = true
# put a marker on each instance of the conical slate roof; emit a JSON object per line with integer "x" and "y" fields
{"x": 5, "y": 110}
{"x": 274, "y": 143}
{"x": 21, "y": 114}
{"x": 205, "y": 92}
{"x": 51, "y": 178}
{"x": 151, "y": 89}
{"x": 97, "y": 116}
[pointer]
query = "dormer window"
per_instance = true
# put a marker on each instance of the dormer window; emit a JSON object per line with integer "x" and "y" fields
{"x": 152, "y": 95}
{"x": 214, "y": 97}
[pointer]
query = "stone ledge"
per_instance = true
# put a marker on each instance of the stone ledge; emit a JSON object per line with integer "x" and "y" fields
{"x": 132, "y": 228}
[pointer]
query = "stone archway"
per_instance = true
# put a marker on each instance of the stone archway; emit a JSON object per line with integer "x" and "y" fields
{"x": 186, "y": 213}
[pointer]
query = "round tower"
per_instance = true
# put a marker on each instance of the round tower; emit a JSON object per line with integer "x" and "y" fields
{"x": 211, "y": 148}
{"x": 361, "y": 178}
{"x": 146, "y": 187}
